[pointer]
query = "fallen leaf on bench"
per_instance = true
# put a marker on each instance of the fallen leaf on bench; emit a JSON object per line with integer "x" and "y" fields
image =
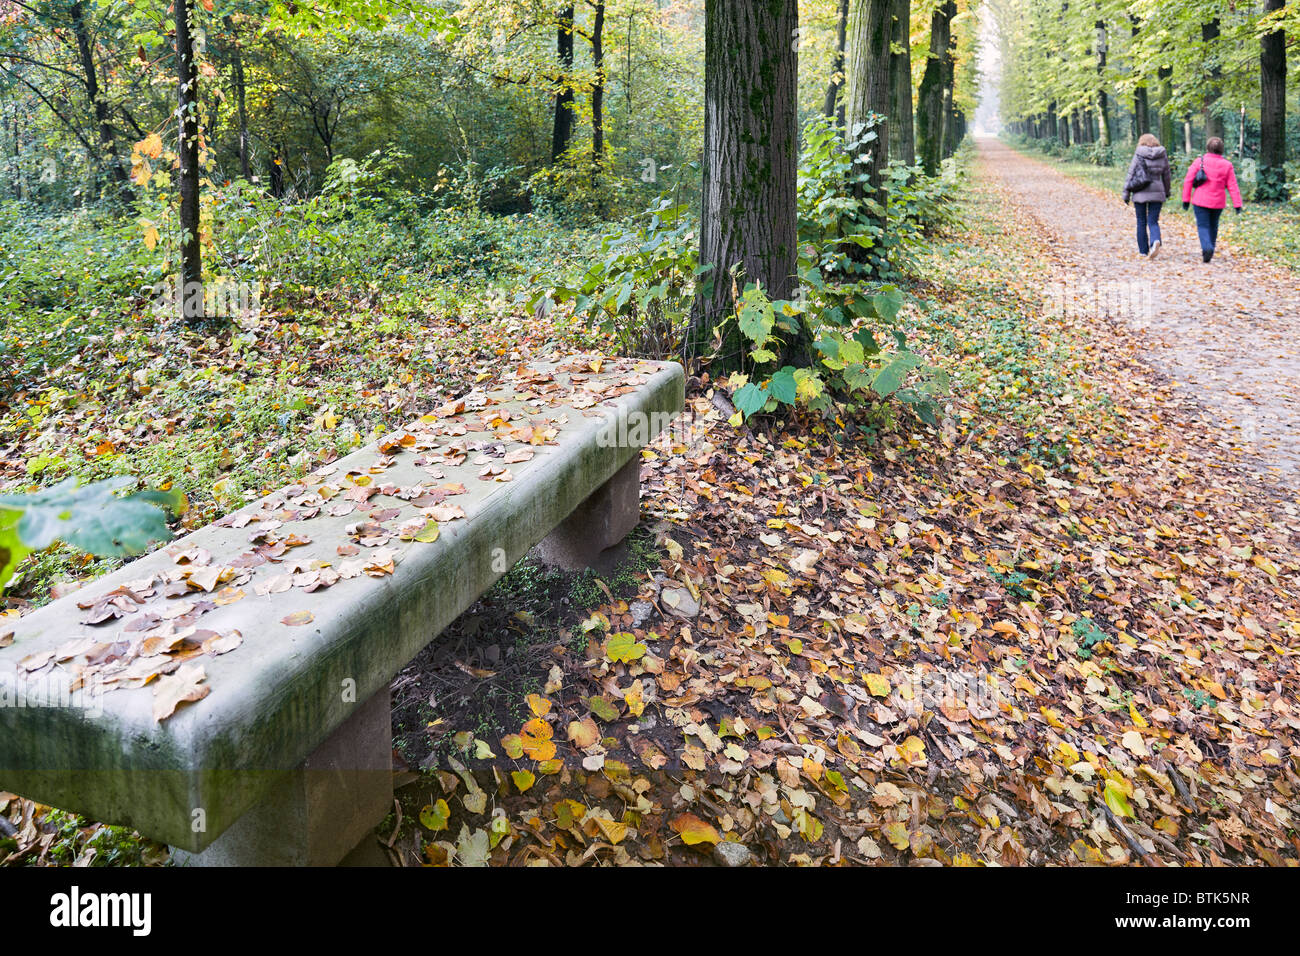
{"x": 347, "y": 550}
{"x": 274, "y": 585}
{"x": 186, "y": 685}
{"x": 518, "y": 455}
{"x": 298, "y": 618}
{"x": 380, "y": 563}
{"x": 228, "y": 596}
{"x": 222, "y": 643}
{"x": 6, "y": 638}
{"x": 445, "y": 512}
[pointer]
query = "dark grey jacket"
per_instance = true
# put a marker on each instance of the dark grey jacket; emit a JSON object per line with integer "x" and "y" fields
{"x": 1157, "y": 164}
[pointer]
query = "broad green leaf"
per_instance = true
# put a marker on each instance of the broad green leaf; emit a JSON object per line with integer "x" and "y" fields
{"x": 889, "y": 378}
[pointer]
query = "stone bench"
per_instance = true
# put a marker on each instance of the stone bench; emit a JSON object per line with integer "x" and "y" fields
{"x": 300, "y": 609}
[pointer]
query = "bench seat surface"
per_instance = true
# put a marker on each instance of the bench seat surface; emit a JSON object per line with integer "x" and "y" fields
{"x": 342, "y": 548}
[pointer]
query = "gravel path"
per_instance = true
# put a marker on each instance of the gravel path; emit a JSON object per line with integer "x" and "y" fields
{"x": 1227, "y": 332}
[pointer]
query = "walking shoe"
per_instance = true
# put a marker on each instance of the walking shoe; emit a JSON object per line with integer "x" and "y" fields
{"x": 1155, "y": 250}
{"x": 1207, "y": 255}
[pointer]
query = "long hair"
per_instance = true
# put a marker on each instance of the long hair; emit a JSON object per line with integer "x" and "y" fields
{"x": 1148, "y": 139}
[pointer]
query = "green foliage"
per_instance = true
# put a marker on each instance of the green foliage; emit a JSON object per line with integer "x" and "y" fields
{"x": 90, "y": 517}
{"x": 641, "y": 289}
{"x": 847, "y": 364}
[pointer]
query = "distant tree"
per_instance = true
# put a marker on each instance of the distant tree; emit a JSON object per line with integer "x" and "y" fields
{"x": 930, "y": 97}
{"x": 1271, "y": 182}
{"x": 902, "y": 138}
{"x": 867, "y": 76}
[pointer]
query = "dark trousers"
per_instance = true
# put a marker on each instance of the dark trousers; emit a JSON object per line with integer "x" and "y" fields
{"x": 1207, "y": 226}
{"x": 1148, "y": 216}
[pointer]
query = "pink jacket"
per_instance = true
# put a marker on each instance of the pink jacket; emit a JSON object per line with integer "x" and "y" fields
{"x": 1210, "y": 194}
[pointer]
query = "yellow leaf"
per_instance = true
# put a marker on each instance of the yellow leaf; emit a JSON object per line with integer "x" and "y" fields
{"x": 693, "y": 830}
{"x": 1117, "y": 800}
{"x": 523, "y": 779}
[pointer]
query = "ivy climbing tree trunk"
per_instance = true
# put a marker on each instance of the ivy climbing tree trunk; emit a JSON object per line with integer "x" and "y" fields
{"x": 562, "y": 131}
{"x": 831, "y": 104}
{"x": 187, "y": 116}
{"x": 1271, "y": 183}
{"x": 748, "y": 215}
{"x": 867, "y": 97}
{"x": 929, "y": 99}
{"x": 902, "y": 140}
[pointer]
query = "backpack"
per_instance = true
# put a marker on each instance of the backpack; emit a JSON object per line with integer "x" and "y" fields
{"x": 1139, "y": 176}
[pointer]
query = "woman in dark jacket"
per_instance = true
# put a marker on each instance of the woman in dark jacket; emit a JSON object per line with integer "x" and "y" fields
{"x": 1147, "y": 184}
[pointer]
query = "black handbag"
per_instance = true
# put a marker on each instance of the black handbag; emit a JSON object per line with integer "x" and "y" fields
{"x": 1200, "y": 179}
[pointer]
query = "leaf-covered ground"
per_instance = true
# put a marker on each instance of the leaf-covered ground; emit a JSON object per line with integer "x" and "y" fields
{"x": 1061, "y": 629}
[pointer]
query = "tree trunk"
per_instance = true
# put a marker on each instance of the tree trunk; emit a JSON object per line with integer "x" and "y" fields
{"x": 950, "y": 138}
{"x": 1103, "y": 101}
{"x": 1165, "y": 76}
{"x": 1213, "y": 89}
{"x": 751, "y": 141}
{"x": 562, "y": 132}
{"x": 929, "y": 99}
{"x": 867, "y": 95}
{"x": 107, "y": 141}
{"x": 1271, "y": 184}
{"x": 831, "y": 103}
{"x": 598, "y": 90}
{"x": 902, "y": 140}
{"x": 187, "y": 113}
{"x": 237, "y": 80}
{"x": 1141, "y": 116}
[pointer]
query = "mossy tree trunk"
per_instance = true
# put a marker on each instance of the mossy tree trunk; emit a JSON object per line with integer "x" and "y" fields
{"x": 748, "y": 215}
{"x": 902, "y": 138}
{"x": 929, "y": 99}
{"x": 868, "y": 90}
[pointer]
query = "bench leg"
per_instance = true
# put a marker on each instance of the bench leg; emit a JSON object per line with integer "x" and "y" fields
{"x": 320, "y": 811}
{"x": 586, "y": 538}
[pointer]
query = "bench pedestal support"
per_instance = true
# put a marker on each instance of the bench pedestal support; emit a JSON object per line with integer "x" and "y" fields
{"x": 586, "y": 538}
{"x": 316, "y": 814}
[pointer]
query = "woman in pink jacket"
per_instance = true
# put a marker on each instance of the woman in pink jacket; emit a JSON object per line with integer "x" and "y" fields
{"x": 1208, "y": 199}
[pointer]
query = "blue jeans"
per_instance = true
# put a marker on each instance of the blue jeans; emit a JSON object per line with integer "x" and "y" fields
{"x": 1207, "y": 226}
{"x": 1148, "y": 214}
